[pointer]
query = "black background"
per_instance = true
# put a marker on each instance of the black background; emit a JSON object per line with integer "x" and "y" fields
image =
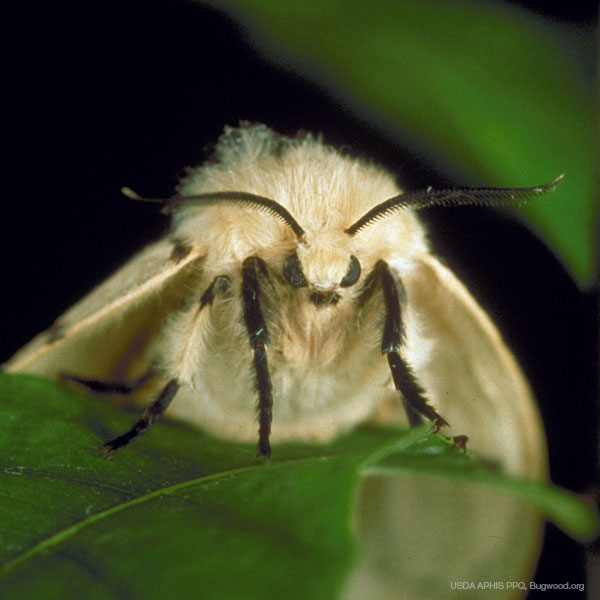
{"x": 98, "y": 96}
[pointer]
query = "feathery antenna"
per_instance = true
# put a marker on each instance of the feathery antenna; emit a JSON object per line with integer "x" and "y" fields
{"x": 260, "y": 202}
{"x": 451, "y": 197}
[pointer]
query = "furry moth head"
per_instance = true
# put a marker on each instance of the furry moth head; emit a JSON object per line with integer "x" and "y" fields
{"x": 296, "y": 284}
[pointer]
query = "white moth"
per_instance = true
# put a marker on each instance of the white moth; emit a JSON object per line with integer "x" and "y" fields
{"x": 296, "y": 283}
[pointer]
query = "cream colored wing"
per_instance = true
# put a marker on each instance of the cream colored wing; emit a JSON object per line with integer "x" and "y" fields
{"x": 419, "y": 538}
{"x": 106, "y": 335}
{"x": 471, "y": 375}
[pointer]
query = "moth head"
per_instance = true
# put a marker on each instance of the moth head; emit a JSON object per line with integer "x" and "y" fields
{"x": 324, "y": 264}
{"x": 322, "y": 261}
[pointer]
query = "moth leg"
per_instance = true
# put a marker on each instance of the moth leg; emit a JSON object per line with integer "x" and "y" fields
{"x": 152, "y": 414}
{"x": 413, "y": 395}
{"x": 156, "y": 410}
{"x": 259, "y": 340}
{"x": 100, "y": 386}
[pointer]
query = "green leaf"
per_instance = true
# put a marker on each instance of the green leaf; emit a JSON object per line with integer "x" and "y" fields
{"x": 489, "y": 91}
{"x": 179, "y": 514}
{"x": 435, "y": 457}
{"x": 174, "y": 513}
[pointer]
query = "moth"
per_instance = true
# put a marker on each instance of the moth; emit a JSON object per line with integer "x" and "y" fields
{"x": 297, "y": 284}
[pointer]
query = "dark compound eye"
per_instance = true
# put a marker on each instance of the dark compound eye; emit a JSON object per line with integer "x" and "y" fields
{"x": 353, "y": 273}
{"x": 292, "y": 271}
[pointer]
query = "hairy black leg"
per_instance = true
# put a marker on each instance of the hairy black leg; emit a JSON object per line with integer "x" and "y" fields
{"x": 152, "y": 414}
{"x": 415, "y": 401}
{"x": 99, "y": 386}
{"x": 156, "y": 410}
{"x": 219, "y": 285}
{"x": 259, "y": 340}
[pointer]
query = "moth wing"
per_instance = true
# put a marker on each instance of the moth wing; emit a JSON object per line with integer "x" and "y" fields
{"x": 108, "y": 333}
{"x": 455, "y": 531}
{"x": 471, "y": 375}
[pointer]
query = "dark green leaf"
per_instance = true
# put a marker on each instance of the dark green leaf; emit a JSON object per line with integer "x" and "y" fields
{"x": 179, "y": 514}
{"x": 434, "y": 457}
{"x": 489, "y": 91}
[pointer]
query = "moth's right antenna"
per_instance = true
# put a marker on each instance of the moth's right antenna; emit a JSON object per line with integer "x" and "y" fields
{"x": 245, "y": 198}
{"x": 132, "y": 195}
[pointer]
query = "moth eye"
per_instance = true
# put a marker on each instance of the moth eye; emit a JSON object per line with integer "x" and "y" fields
{"x": 292, "y": 271}
{"x": 353, "y": 273}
